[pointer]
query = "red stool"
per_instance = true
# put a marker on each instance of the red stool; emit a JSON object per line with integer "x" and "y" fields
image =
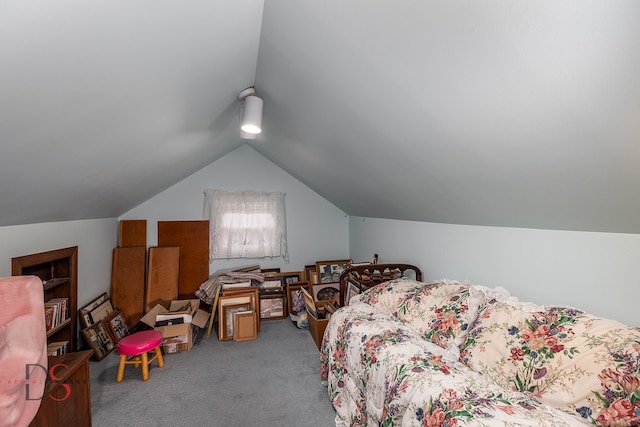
{"x": 133, "y": 350}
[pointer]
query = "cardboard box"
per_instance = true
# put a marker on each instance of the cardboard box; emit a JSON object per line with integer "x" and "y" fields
{"x": 181, "y": 320}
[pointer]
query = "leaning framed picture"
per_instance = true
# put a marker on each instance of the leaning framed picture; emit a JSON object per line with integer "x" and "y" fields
{"x": 254, "y": 295}
{"x": 271, "y": 283}
{"x": 295, "y": 298}
{"x": 272, "y": 307}
{"x": 117, "y": 325}
{"x": 85, "y": 312}
{"x": 244, "y": 327}
{"x": 291, "y": 277}
{"x": 98, "y": 337}
{"x": 228, "y": 318}
{"x": 330, "y": 271}
{"x": 226, "y": 301}
{"x": 352, "y": 291}
{"x": 310, "y": 304}
{"x": 325, "y": 291}
{"x": 310, "y": 274}
{"x": 101, "y": 312}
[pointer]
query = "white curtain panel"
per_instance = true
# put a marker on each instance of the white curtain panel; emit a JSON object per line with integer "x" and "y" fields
{"x": 246, "y": 224}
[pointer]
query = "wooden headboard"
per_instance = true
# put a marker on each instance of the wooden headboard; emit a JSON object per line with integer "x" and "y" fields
{"x": 365, "y": 276}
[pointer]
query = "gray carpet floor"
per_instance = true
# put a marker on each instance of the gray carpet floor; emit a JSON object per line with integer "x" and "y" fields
{"x": 271, "y": 381}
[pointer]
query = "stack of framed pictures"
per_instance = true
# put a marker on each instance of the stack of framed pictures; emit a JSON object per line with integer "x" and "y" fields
{"x": 327, "y": 283}
{"x": 237, "y": 314}
{"x": 102, "y": 325}
{"x": 274, "y": 291}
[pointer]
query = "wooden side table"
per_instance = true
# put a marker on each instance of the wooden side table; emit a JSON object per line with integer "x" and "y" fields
{"x": 67, "y": 397}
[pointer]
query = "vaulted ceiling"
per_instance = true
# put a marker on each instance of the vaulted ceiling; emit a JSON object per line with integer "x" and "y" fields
{"x": 519, "y": 114}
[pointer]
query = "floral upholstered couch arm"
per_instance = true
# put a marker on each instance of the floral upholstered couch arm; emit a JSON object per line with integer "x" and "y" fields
{"x": 441, "y": 312}
{"x": 563, "y": 357}
{"x": 381, "y": 372}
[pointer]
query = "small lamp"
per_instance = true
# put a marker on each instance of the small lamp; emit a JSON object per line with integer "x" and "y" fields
{"x": 252, "y": 114}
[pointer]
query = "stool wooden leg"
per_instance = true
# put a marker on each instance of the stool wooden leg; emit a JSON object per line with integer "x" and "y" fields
{"x": 145, "y": 366}
{"x": 159, "y": 356}
{"x": 123, "y": 360}
{"x": 137, "y": 360}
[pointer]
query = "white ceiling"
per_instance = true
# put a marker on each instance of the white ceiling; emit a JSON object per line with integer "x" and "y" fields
{"x": 506, "y": 113}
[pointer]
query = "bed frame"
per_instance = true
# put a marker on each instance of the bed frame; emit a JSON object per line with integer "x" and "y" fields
{"x": 365, "y": 276}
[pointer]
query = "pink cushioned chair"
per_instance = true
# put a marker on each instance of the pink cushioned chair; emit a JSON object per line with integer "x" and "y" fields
{"x": 23, "y": 346}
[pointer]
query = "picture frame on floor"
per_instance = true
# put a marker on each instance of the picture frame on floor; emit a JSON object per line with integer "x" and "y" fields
{"x": 272, "y": 282}
{"x": 228, "y": 318}
{"x": 229, "y": 300}
{"x": 310, "y": 274}
{"x": 352, "y": 290}
{"x": 277, "y": 282}
{"x": 325, "y": 291}
{"x": 272, "y": 307}
{"x": 295, "y": 298}
{"x": 310, "y": 304}
{"x": 99, "y": 338}
{"x": 330, "y": 271}
{"x": 85, "y": 312}
{"x": 291, "y": 277}
{"x": 244, "y": 327}
{"x": 118, "y": 325}
{"x": 102, "y": 311}
{"x": 254, "y": 299}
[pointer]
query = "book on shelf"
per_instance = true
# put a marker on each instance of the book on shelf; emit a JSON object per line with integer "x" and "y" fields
{"x": 53, "y": 307}
{"x": 64, "y": 307}
{"x": 59, "y": 309}
{"x": 48, "y": 317}
{"x": 57, "y": 348}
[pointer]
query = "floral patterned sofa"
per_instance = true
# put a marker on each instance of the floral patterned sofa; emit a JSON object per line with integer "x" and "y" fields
{"x": 448, "y": 354}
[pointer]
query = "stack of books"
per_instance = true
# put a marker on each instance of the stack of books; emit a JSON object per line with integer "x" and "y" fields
{"x": 56, "y": 312}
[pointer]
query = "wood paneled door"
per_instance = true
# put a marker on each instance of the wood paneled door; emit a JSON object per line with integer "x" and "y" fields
{"x": 128, "y": 271}
{"x": 133, "y": 232}
{"x": 162, "y": 276}
{"x": 193, "y": 239}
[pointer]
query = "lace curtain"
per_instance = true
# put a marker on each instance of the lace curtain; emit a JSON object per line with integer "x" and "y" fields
{"x": 246, "y": 224}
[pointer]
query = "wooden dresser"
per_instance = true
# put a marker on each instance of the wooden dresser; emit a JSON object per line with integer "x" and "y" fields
{"x": 66, "y": 401}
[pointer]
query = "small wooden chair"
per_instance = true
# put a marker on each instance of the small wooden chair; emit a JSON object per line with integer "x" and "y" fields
{"x": 133, "y": 350}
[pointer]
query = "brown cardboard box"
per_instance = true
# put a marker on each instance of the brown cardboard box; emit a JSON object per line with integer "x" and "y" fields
{"x": 178, "y": 336}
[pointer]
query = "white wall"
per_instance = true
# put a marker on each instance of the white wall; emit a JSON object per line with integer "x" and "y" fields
{"x": 95, "y": 239}
{"x": 316, "y": 229}
{"x": 596, "y": 272}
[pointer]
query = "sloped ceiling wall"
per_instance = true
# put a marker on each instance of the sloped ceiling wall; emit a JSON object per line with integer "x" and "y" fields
{"x": 105, "y": 103}
{"x": 523, "y": 114}
{"x": 504, "y": 113}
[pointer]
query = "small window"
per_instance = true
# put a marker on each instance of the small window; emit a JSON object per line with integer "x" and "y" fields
{"x": 246, "y": 224}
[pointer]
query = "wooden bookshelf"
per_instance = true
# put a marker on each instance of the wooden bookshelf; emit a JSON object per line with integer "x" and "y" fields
{"x": 58, "y": 270}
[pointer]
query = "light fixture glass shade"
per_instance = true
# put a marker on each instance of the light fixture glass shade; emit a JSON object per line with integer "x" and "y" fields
{"x": 247, "y": 135}
{"x": 252, "y": 116}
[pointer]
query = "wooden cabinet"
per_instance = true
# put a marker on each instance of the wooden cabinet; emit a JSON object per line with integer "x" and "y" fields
{"x": 58, "y": 270}
{"x": 193, "y": 239}
{"x": 66, "y": 401}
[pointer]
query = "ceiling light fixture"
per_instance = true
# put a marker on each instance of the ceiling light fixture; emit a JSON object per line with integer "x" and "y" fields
{"x": 252, "y": 114}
